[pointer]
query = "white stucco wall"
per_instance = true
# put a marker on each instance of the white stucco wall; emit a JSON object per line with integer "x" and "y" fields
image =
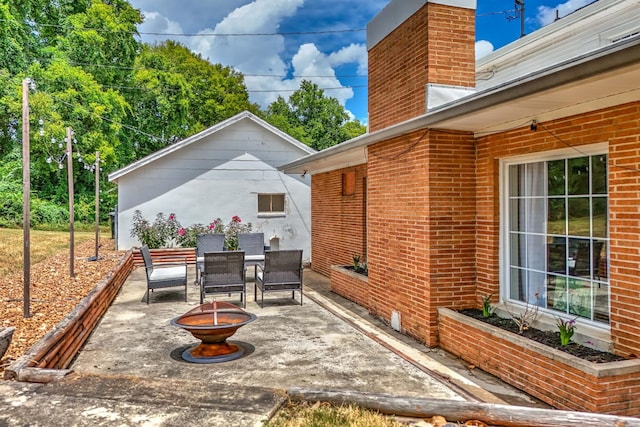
{"x": 221, "y": 175}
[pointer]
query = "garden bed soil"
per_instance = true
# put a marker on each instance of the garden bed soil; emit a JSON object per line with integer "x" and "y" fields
{"x": 549, "y": 338}
{"x": 359, "y": 270}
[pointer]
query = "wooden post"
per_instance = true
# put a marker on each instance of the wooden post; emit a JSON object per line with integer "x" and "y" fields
{"x": 97, "y": 170}
{"x": 26, "y": 199}
{"x": 71, "y": 213}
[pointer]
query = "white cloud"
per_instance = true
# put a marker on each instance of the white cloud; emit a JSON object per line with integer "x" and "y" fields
{"x": 483, "y": 48}
{"x": 547, "y": 15}
{"x": 249, "y": 54}
{"x": 354, "y": 53}
{"x": 154, "y": 22}
{"x": 261, "y": 58}
{"x": 309, "y": 61}
{"x": 269, "y": 62}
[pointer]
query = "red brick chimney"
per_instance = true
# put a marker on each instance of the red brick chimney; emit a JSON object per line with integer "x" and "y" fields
{"x": 415, "y": 44}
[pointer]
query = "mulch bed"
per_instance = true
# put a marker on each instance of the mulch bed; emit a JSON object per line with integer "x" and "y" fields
{"x": 54, "y": 294}
{"x": 549, "y": 338}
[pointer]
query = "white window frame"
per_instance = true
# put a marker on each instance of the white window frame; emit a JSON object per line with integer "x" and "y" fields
{"x": 504, "y": 252}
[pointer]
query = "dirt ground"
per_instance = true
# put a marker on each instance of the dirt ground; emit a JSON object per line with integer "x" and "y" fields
{"x": 53, "y": 293}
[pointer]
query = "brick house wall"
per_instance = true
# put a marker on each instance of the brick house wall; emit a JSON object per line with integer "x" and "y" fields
{"x": 421, "y": 197}
{"x": 434, "y": 218}
{"x": 338, "y": 223}
{"x": 435, "y": 45}
{"x": 620, "y": 127}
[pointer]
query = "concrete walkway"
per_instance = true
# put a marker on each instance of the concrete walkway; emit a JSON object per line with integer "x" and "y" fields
{"x": 131, "y": 372}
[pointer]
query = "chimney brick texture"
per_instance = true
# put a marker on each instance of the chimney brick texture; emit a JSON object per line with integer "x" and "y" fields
{"x": 435, "y": 45}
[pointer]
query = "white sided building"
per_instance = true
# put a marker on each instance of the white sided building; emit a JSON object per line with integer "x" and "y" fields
{"x": 228, "y": 169}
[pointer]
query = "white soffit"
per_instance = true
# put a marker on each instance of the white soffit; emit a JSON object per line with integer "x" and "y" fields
{"x": 613, "y": 88}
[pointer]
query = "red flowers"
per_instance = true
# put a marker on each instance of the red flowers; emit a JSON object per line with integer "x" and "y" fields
{"x": 236, "y": 218}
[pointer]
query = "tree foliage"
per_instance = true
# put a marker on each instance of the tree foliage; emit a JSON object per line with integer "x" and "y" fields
{"x": 177, "y": 94}
{"x": 313, "y": 118}
{"x": 122, "y": 98}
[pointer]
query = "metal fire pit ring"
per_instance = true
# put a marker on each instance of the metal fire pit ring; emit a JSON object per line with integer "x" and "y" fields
{"x": 212, "y": 323}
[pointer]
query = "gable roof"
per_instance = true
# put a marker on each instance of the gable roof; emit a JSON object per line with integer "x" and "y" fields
{"x": 598, "y": 79}
{"x": 245, "y": 115}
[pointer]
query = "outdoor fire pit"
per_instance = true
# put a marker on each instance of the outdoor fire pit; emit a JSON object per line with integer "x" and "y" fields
{"x": 212, "y": 323}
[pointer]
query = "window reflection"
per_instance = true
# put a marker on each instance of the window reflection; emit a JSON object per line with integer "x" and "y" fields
{"x": 558, "y": 223}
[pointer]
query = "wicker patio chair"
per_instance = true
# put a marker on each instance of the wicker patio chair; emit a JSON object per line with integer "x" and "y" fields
{"x": 282, "y": 271}
{"x": 253, "y": 246}
{"x": 165, "y": 275}
{"x": 206, "y": 243}
{"x": 224, "y": 274}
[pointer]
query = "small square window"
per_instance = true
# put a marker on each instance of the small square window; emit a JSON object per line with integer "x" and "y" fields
{"x": 270, "y": 203}
{"x": 349, "y": 183}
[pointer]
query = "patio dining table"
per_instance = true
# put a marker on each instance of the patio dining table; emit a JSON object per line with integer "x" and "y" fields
{"x": 200, "y": 259}
{"x": 248, "y": 259}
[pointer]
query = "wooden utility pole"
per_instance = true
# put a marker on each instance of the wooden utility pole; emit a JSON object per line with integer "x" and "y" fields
{"x": 26, "y": 199}
{"x": 71, "y": 214}
{"x": 520, "y": 12}
{"x": 97, "y": 170}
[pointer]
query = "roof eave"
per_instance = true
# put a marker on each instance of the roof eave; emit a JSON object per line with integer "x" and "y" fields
{"x": 606, "y": 59}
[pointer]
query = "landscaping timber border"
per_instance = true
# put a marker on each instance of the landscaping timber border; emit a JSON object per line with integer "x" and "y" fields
{"x": 50, "y": 357}
{"x": 460, "y": 410}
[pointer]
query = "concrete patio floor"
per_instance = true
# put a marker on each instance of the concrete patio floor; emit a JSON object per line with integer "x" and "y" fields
{"x": 130, "y": 372}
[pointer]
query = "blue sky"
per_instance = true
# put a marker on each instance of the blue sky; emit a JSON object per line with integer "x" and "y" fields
{"x": 318, "y": 40}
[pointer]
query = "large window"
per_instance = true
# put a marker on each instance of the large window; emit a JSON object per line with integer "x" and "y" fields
{"x": 557, "y": 235}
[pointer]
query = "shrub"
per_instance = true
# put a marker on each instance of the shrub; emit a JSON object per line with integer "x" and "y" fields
{"x": 167, "y": 231}
{"x": 162, "y": 233}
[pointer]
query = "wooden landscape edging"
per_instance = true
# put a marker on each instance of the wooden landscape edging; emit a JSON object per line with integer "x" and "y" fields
{"x": 50, "y": 357}
{"x": 454, "y": 410}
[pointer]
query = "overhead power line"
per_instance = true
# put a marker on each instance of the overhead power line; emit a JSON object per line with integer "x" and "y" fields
{"x": 140, "y": 88}
{"x": 157, "y": 33}
{"x": 283, "y": 33}
{"x": 295, "y": 76}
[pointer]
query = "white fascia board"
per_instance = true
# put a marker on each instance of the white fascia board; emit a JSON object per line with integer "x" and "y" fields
{"x": 438, "y": 94}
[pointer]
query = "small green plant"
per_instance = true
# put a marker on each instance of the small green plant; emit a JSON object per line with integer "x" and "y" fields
{"x": 487, "y": 308}
{"x": 356, "y": 262}
{"x": 566, "y": 328}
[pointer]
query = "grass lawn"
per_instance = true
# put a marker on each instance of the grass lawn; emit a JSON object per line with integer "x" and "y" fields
{"x": 42, "y": 244}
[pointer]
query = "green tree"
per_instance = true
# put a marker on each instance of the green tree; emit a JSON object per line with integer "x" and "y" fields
{"x": 14, "y": 41}
{"x": 177, "y": 94}
{"x": 67, "y": 96}
{"x": 120, "y": 97}
{"x": 100, "y": 39}
{"x": 354, "y": 128}
{"x": 313, "y": 118}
